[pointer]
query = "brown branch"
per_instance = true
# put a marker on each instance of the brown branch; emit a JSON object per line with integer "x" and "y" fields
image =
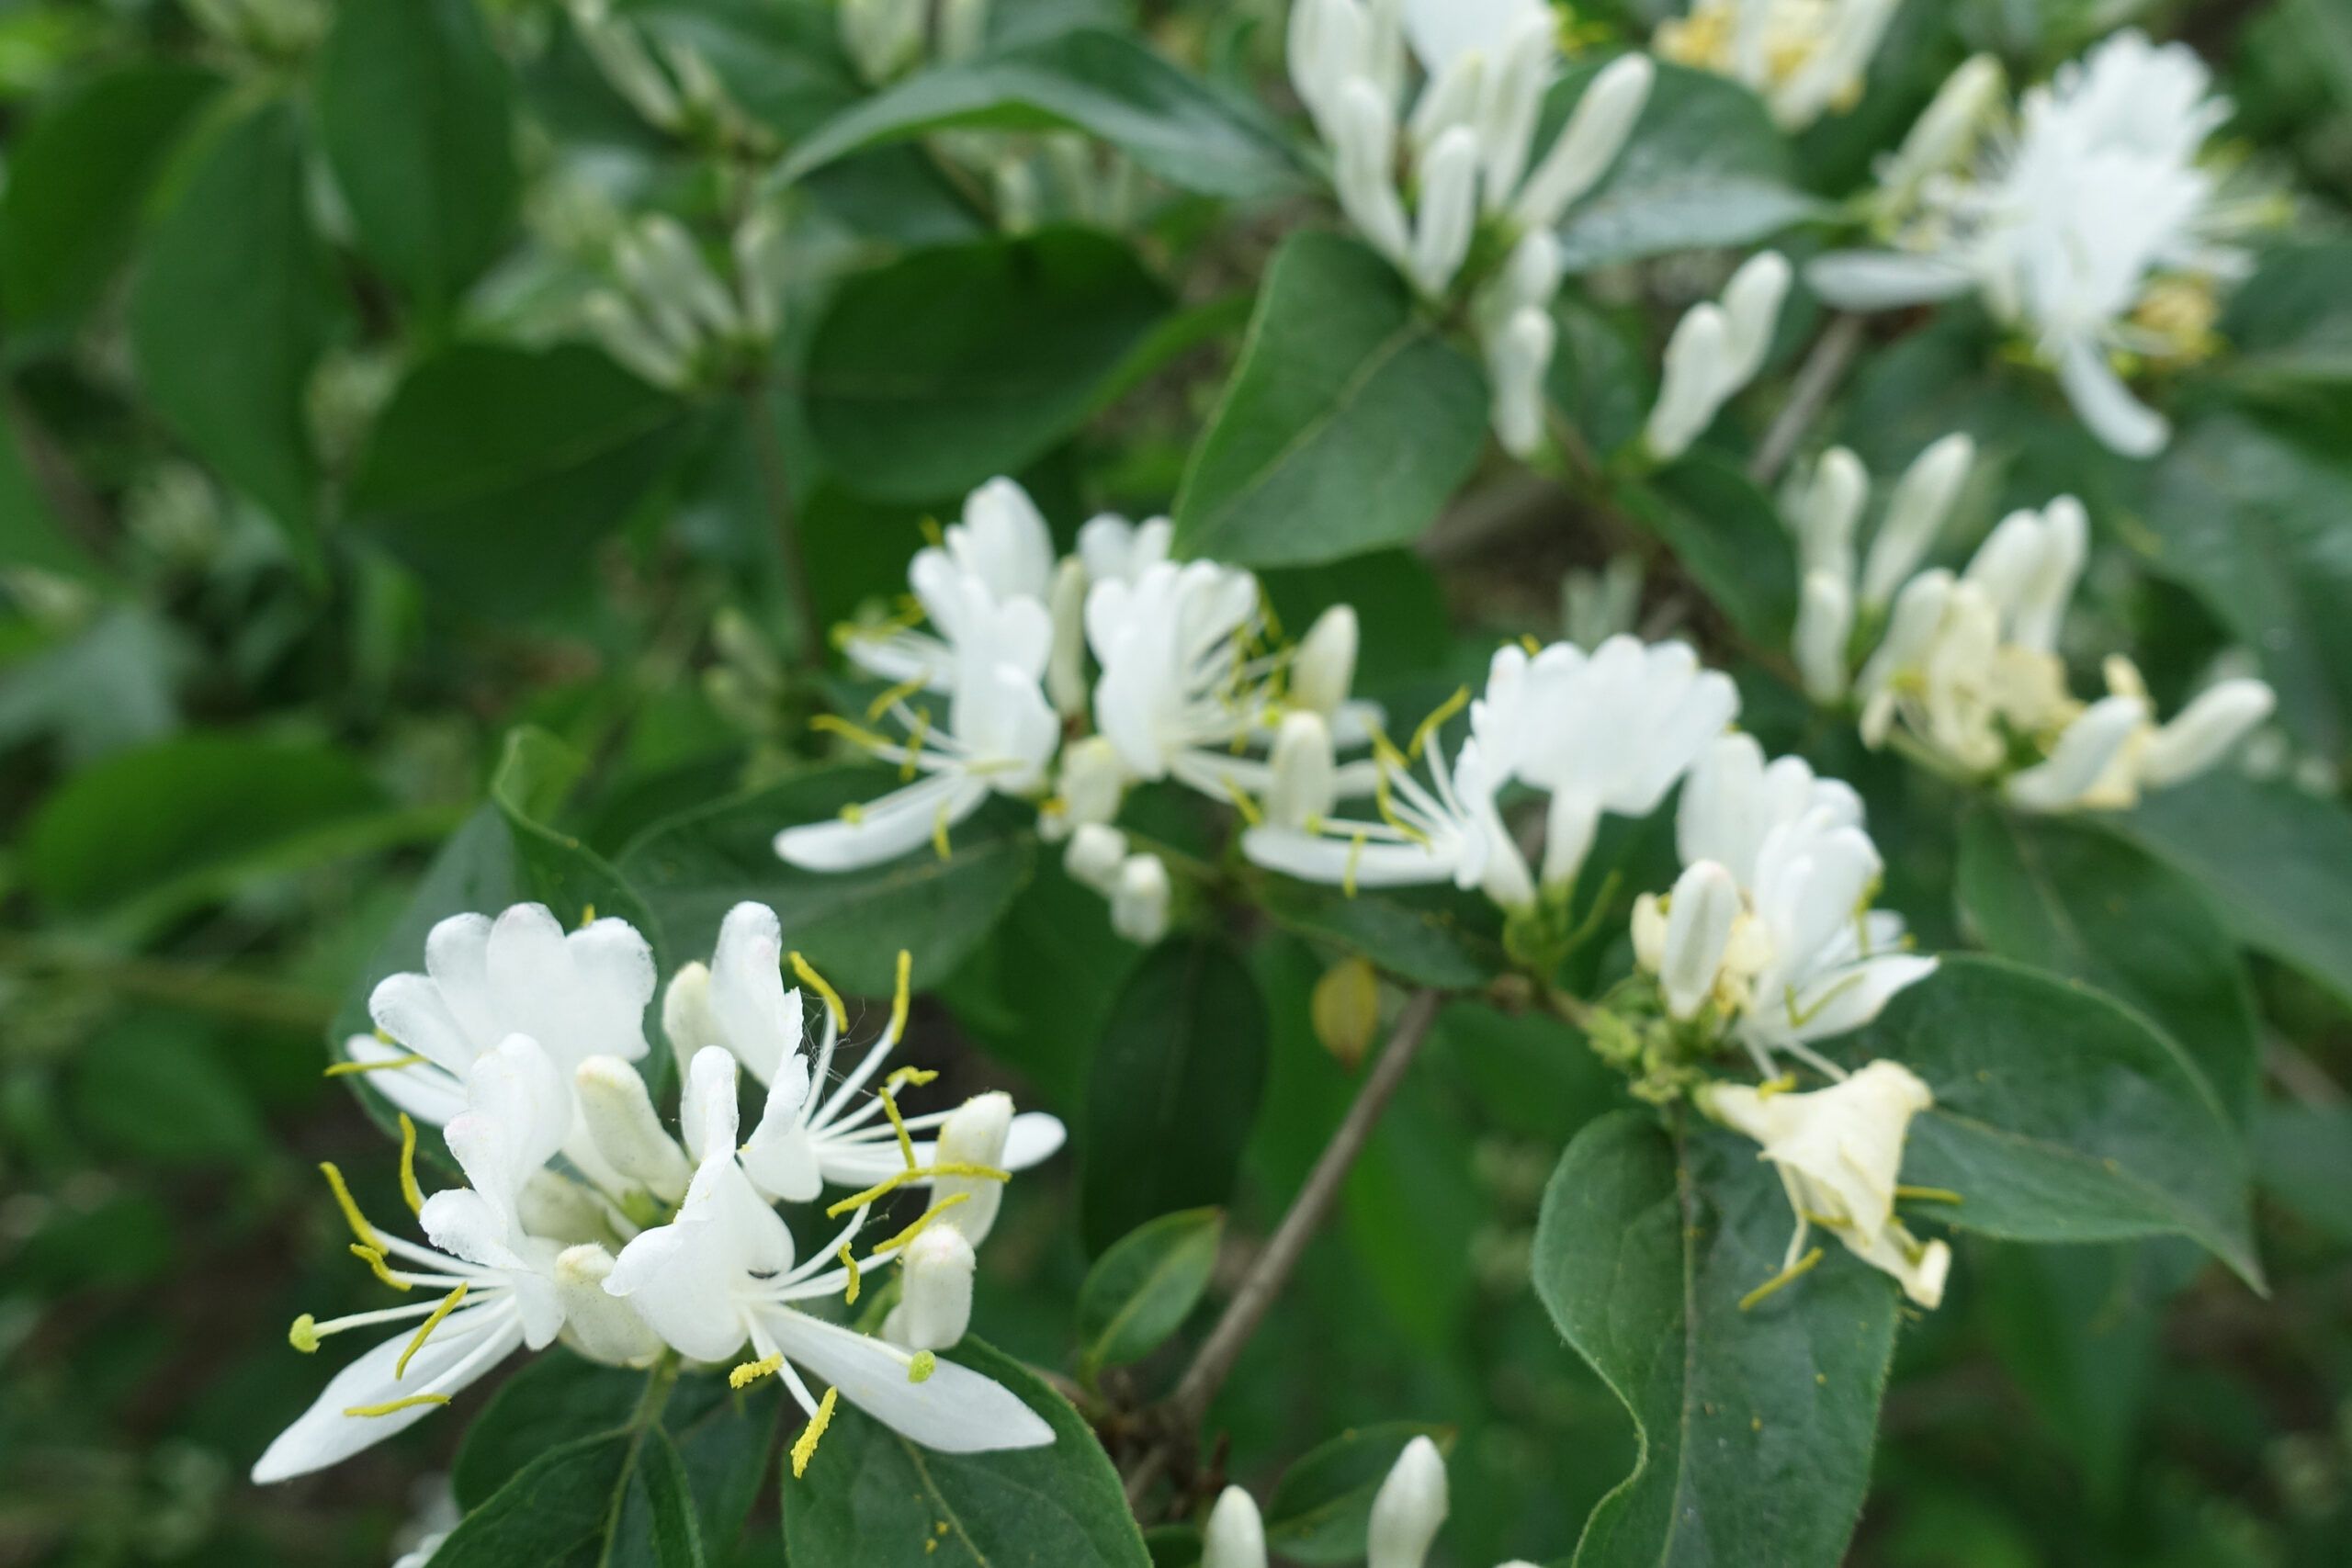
{"x": 1816, "y": 380}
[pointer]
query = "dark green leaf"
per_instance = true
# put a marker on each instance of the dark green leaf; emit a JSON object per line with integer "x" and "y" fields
{"x": 1348, "y": 422}
{"x": 1175, "y": 1089}
{"x": 1757, "y": 1427}
{"x": 417, "y": 114}
{"x": 1728, "y": 534}
{"x": 873, "y": 1499}
{"x": 1703, "y": 167}
{"x": 1321, "y": 1509}
{"x": 2305, "y": 1155}
{"x": 558, "y": 1510}
{"x": 30, "y": 534}
{"x": 954, "y": 364}
{"x": 494, "y": 468}
{"x": 229, "y": 315}
{"x": 1100, "y": 83}
{"x": 677, "y": 1533}
{"x": 1141, "y": 1291}
{"x": 2276, "y": 862}
{"x": 1429, "y": 939}
{"x": 77, "y": 179}
{"x": 549, "y": 1400}
{"x": 1601, "y": 375}
{"x": 2081, "y": 903}
{"x": 154, "y": 1087}
{"x": 780, "y": 60}
{"x": 697, "y": 866}
{"x": 2291, "y": 320}
{"x": 2061, "y": 1117}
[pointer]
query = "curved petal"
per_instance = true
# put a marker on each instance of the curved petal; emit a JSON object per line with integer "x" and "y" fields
{"x": 758, "y": 1018}
{"x": 681, "y": 1281}
{"x": 2120, "y": 420}
{"x": 886, "y": 828}
{"x": 468, "y": 1344}
{"x": 432, "y": 1095}
{"x": 955, "y": 1411}
{"x": 1838, "y": 1003}
{"x": 1884, "y": 280}
{"x": 1338, "y": 862}
{"x": 1035, "y": 1138}
{"x": 456, "y": 956}
{"x": 410, "y": 1008}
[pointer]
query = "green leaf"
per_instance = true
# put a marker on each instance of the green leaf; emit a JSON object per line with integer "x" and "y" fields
{"x": 558, "y": 1510}
{"x": 1175, "y": 1089}
{"x": 1100, "y": 83}
{"x": 153, "y": 1086}
{"x": 416, "y": 111}
{"x": 1348, "y": 422}
{"x": 1601, "y": 375}
{"x": 1704, "y": 167}
{"x": 493, "y": 469}
{"x": 1728, "y": 534}
{"x": 1141, "y": 1291}
{"x": 2062, "y": 1117}
{"x": 2276, "y": 862}
{"x": 229, "y": 316}
{"x": 951, "y": 365}
{"x": 173, "y": 824}
{"x": 873, "y": 1499}
{"x": 549, "y": 1401}
{"x": 79, "y": 177}
{"x": 2290, "y": 321}
{"x": 2258, "y": 525}
{"x": 30, "y": 534}
{"x": 1321, "y": 1509}
{"x": 1756, "y": 1427}
{"x": 2065, "y": 896}
{"x": 699, "y": 864}
{"x": 677, "y": 1533}
{"x": 1426, "y": 938}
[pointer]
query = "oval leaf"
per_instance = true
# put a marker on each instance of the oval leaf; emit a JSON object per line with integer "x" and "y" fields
{"x": 1141, "y": 1291}
{"x": 1321, "y": 1509}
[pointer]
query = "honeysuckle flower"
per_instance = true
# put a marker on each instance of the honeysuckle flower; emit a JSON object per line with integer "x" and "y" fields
{"x": 1715, "y": 350}
{"x": 725, "y": 1271}
{"x": 812, "y": 1132}
{"x": 1235, "y": 1536}
{"x": 1470, "y": 144}
{"x": 1838, "y": 1151}
{"x": 1001, "y": 544}
{"x": 1804, "y": 57}
{"x": 1407, "y": 1514}
{"x": 2092, "y": 230}
{"x": 494, "y": 1287}
{"x": 1779, "y": 939}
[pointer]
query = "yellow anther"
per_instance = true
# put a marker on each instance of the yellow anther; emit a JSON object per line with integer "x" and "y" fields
{"x": 374, "y": 1259}
{"x": 922, "y": 1367}
{"x": 1355, "y": 858}
{"x": 1437, "y": 717}
{"x": 906, "y": 1237}
{"x": 912, "y": 764}
{"x": 893, "y": 697}
{"x": 915, "y": 1077}
{"x": 848, "y": 1261}
{"x": 922, "y": 1173}
{"x": 424, "y": 1330}
{"x": 834, "y": 724}
{"x": 350, "y": 1069}
{"x": 804, "y": 1446}
{"x": 853, "y": 813}
{"x": 350, "y": 1214}
{"x": 897, "y": 1126}
{"x": 304, "y": 1335}
{"x": 410, "y": 1191}
{"x": 1786, "y": 1083}
{"x": 750, "y": 1372}
{"x": 931, "y": 534}
{"x": 1241, "y": 801}
{"x": 939, "y": 833}
{"x": 1929, "y": 1195}
{"x": 902, "y": 997}
{"x": 1527, "y": 640}
{"x": 1795, "y": 1270}
{"x": 587, "y": 916}
{"x": 816, "y": 982}
{"x": 393, "y": 1407}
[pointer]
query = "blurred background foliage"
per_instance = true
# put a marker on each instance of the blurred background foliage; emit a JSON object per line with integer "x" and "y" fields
{"x": 317, "y": 480}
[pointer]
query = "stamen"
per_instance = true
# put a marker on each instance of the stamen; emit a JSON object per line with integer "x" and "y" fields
{"x": 912, "y": 764}
{"x": 897, "y": 1124}
{"x": 848, "y": 1261}
{"x": 304, "y": 1335}
{"x": 410, "y": 1191}
{"x": 816, "y": 982}
{"x": 853, "y": 813}
{"x": 350, "y": 1214}
{"x": 906, "y": 1237}
{"x": 1785, "y": 1084}
{"x": 939, "y": 832}
{"x": 1355, "y": 858}
{"x": 913, "y": 1077}
{"x": 922, "y": 1367}
{"x": 1794, "y": 1270}
{"x": 350, "y": 1069}
{"x": 424, "y": 1330}
{"x": 374, "y": 1259}
{"x": 1437, "y": 717}
{"x": 923, "y": 1173}
{"x": 587, "y": 916}
{"x": 1929, "y": 1195}
{"x": 834, "y": 724}
{"x": 903, "y": 995}
{"x": 804, "y": 1447}
{"x": 394, "y": 1407}
{"x": 893, "y": 697}
{"x": 1527, "y": 640}
{"x": 1241, "y": 801}
{"x": 931, "y": 531}
{"x": 750, "y": 1372}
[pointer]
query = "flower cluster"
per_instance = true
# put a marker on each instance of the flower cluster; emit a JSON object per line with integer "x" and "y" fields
{"x": 2092, "y": 227}
{"x": 517, "y": 1040}
{"x": 1407, "y": 1513}
{"x": 1804, "y": 58}
{"x": 1479, "y": 192}
{"x": 671, "y": 319}
{"x": 1968, "y": 664}
{"x": 1177, "y": 665}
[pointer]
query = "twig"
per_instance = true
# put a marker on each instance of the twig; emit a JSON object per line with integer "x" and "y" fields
{"x": 1816, "y": 380}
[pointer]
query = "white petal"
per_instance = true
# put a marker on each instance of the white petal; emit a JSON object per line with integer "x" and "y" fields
{"x": 323, "y": 1434}
{"x": 427, "y": 1092}
{"x": 681, "y": 1281}
{"x": 1338, "y": 861}
{"x": 412, "y": 1009}
{"x": 708, "y": 1116}
{"x": 1884, "y": 280}
{"x": 956, "y": 1410}
{"x": 2120, "y": 420}
{"x": 457, "y": 955}
{"x": 759, "y": 1019}
{"x": 1845, "y": 1002}
{"x": 1034, "y": 1138}
{"x": 887, "y": 827}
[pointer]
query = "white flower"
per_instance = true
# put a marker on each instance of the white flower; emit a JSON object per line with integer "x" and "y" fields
{"x": 1804, "y": 56}
{"x": 1139, "y": 904}
{"x": 1409, "y": 1509}
{"x": 725, "y": 1271}
{"x": 1003, "y": 547}
{"x": 1715, "y": 350}
{"x": 2082, "y": 230}
{"x": 1236, "y": 1534}
{"x": 1177, "y": 687}
{"x": 493, "y": 1286}
{"x": 810, "y": 1134}
{"x": 1838, "y": 1151}
{"x": 1805, "y": 957}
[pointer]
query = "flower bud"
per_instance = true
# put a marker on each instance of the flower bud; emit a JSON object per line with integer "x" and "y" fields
{"x": 1095, "y": 855}
{"x": 2006, "y": 564}
{"x": 2041, "y": 603}
{"x": 1826, "y": 511}
{"x": 1517, "y": 360}
{"x": 1345, "y": 1011}
{"x": 1324, "y": 669}
{"x": 1945, "y": 135}
{"x": 2071, "y": 776}
{"x": 759, "y": 248}
{"x": 676, "y": 265}
{"x": 1514, "y": 101}
{"x": 1236, "y": 1537}
{"x": 602, "y": 1328}
{"x": 1364, "y": 155}
{"x": 1139, "y": 906}
{"x": 626, "y": 335}
{"x": 1595, "y": 134}
{"x": 1698, "y": 929}
{"x": 936, "y": 1304}
{"x": 1328, "y": 48}
{"x": 1450, "y": 101}
{"x": 974, "y": 1134}
{"x": 1304, "y": 775}
{"x": 1923, "y": 500}
{"x": 1825, "y": 622}
{"x": 882, "y": 37}
{"x": 627, "y": 1131}
{"x": 1066, "y": 664}
{"x": 556, "y": 1208}
{"x": 1448, "y": 208}
{"x": 1649, "y": 931}
{"x": 2202, "y": 732}
{"x": 1698, "y": 357}
{"x": 1532, "y": 276}
{"x": 962, "y": 27}
{"x": 1751, "y": 309}
{"x": 1409, "y": 1509}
